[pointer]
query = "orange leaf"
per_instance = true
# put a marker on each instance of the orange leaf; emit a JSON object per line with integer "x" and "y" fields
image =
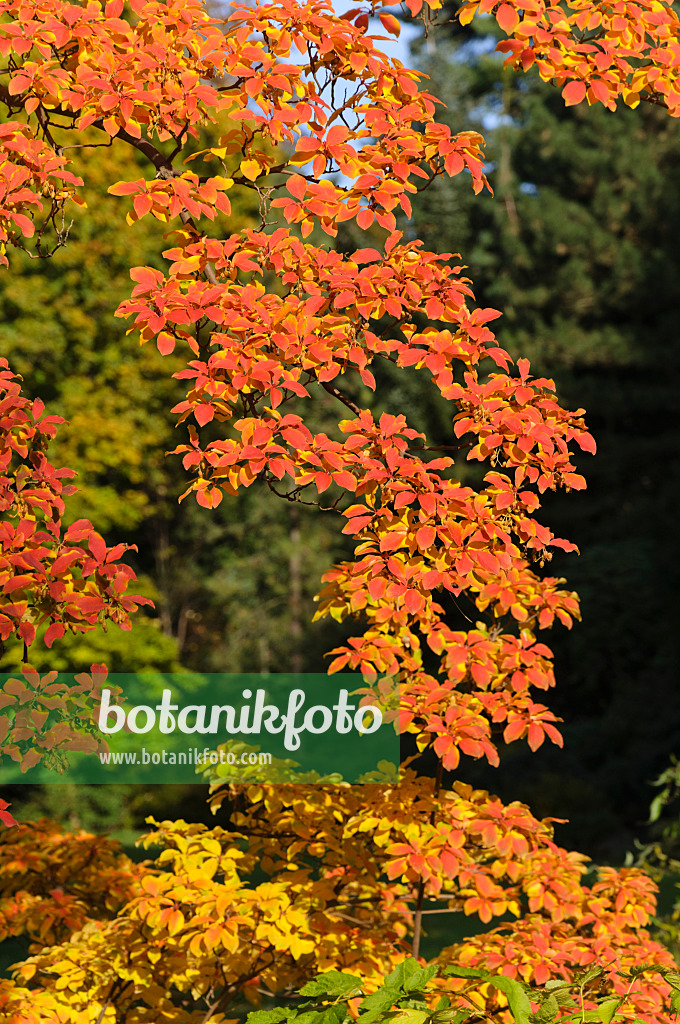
{"x": 297, "y": 186}
{"x": 507, "y": 18}
{"x": 390, "y": 24}
{"x": 126, "y": 188}
{"x": 573, "y": 93}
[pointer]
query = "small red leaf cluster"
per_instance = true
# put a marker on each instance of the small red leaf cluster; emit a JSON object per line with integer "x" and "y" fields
{"x": 596, "y": 52}
{"x": 49, "y": 576}
{"x": 5, "y": 817}
{"x": 166, "y": 199}
{"x": 30, "y": 172}
{"x": 122, "y": 74}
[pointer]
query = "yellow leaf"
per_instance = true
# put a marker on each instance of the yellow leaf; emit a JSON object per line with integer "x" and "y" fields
{"x": 466, "y": 15}
{"x": 250, "y": 169}
{"x": 230, "y": 940}
{"x": 298, "y": 946}
{"x": 422, "y": 741}
{"x": 175, "y": 922}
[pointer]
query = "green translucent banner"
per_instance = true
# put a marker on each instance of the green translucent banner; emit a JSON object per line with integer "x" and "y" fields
{"x": 166, "y": 728}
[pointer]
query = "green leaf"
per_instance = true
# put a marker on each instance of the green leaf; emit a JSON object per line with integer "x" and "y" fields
{"x": 271, "y": 1016}
{"x": 593, "y": 972}
{"x": 635, "y": 972}
{"x": 332, "y": 983}
{"x": 414, "y": 1001}
{"x": 410, "y": 1017}
{"x": 454, "y": 971}
{"x": 410, "y": 976}
{"x": 587, "y": 1016}
{"x": 518, "y": 1000}
{"x": 548, "y": 1011}
{"x": 561, "y": 990}
{"x": 334, "y": 1014}
{"x": 656, "y": 807}
{"x": 378, "y": 1003}
{"x": 607, "y": 1009}
{"x": 447, "y": 1015}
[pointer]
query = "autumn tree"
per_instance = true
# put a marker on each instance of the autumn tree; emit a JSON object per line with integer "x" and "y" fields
{"x": 324, "y": 128}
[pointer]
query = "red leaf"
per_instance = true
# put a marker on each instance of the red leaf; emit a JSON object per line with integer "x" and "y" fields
{"x": 599, "y": 90}
{"x": 425, "y": 537}
{"x": 296, "y": 438}
{"x": 142, "y": 205}
{"x": 29, "y": 760}
{"x": 203, "y": 414}
{"x": 536, "y": 736}
{"x": 5, "y": 817}
{"x": 344, "y": 299}
{"x": 365, "y": 219}
{"x": 79, "y": 530}
{"x": 87, "y": 603}
{"x": 97, "y": 546}
{"x": 366, "y": 256}
{"x": 573, "y": 93}
{"x": 27, "y": 633}
{"x": 514, "y": 730}
{"x": 587, "y": 443}
{"x": 165, "y": 343}
{"x": 54, "y": 632}
{"x": 210, "y": 497}
{"x": 24, "y": 223}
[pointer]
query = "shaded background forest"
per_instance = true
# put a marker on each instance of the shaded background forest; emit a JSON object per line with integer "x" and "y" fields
{"x": 579, "y": 249}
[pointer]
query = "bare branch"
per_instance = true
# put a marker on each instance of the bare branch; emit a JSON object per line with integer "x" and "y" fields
{"x": 336, "y": 393}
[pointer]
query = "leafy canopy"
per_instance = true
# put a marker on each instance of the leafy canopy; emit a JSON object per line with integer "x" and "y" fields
{"x": 324, "y": 128}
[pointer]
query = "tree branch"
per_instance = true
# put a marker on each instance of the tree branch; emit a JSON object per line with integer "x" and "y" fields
{"x": 158, "y": 159}
{"x": 336, "y": 393}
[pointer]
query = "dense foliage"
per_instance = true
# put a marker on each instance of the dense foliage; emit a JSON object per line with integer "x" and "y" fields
{"x": 322, "y": 128}
{"x": 584, "y": 221}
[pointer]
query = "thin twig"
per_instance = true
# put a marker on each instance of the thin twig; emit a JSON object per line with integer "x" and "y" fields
{"x": 336, "y": 393}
